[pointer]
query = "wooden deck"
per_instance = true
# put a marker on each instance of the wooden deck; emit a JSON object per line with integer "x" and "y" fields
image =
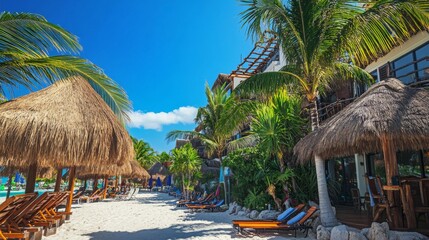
{"x": 361, "y": 219}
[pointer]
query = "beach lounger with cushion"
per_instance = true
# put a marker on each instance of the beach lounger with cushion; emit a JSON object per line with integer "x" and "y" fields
{"x": 282, "y": 218}
{"x": 211, "y": 207}
{"x": 8, "y": 210}
{"x": 302, "y": 221}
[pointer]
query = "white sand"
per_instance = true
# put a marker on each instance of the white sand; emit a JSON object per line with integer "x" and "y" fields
{"x": 150, "y": 216}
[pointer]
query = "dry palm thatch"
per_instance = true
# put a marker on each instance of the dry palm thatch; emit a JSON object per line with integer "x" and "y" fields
{"x": 388, "y": 110}
{"x": 137, "y": 171}
{"x": 101, "y": 171}
{"x": 158, "y": 170}
{"x": 42, "y": 172}
{"x": 66, "y": 124}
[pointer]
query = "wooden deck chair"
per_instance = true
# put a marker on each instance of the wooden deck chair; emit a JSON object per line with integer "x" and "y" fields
{"x": 51, "y": 207}
{"x": 205, "y": 200}
{"x": 282, "y": 218}
{"x": 91, "y": 198}
{"x": 34, "y": 214}
{"x": 8, "y": 209}
{"x": 302, "y": 222}
{"x": 211, "y": 207}
{"x": 381, "y": 203}
{"x": 76, "y": 197}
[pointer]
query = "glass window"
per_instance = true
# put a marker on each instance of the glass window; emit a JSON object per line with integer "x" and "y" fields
{"x": 426, "y": 162}
{"x": 403, "y": 69}
{"x": 409, "y": 163}
{"x": 376, "y": 166}
{"x": 422, "y": 55}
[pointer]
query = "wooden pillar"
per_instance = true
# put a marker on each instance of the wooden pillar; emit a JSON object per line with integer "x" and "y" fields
{"x": 31, "y": 178}
{"x": 390, "y": 161}
{"x": 391, "y": 166}
{"x": 9, "y": 186}
{"x": 105, "y": 187}
{"x": 95, "y": 183}
{"x": 58, "y": 180}
{"x": 72, "y": 175}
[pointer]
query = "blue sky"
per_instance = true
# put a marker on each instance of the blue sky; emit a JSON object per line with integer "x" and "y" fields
{"x": 161, "y": 52}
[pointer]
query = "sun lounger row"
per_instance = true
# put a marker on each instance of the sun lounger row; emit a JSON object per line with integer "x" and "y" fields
{"x": 29, "y": 216}
{"x": 293, "y": 219}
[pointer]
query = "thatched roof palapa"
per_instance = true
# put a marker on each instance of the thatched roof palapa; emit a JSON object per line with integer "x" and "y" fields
{"x": 66, "y": 124}
{"x": 105, "y": 170}
{"x": 388, "y": 110}
{"x": 158, "y": 170}
{"x": 137, "y": 171}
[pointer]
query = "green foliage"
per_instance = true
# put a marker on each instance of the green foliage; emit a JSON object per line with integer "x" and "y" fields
{"x": 144, "y": 154}
{"x": 306, "y": 187}
{"x": 187, "y": 165}
{"x": 256, "y": 200}
{"x": 26, "y": 44}
{"x": 219, "y": 120}
{"x": 163, "y": 157}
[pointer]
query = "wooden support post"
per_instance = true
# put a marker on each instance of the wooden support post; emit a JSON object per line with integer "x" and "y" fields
{"x": 105, "y": 187}
{"x": 72, "y": 175}
{"x": 95, "y": 183}
{"x": 407, "y": 202}
{"x": 9, "y": 186}
{"x": 31, "y": 178}
{"x": 58, "y": 180}
{"x": 391, "y": 166}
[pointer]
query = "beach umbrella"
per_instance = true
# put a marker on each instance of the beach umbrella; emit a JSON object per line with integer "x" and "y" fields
{"x": 150, "y": 182}
{"x": 64, "y": 125}
{"x": 388, "y": 117}
{"x": 169, "y": 180}
{"x": 17, "y": 177}
{"x": 158, "y": 182}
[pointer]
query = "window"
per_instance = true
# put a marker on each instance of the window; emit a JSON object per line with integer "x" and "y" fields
{"x": 422, "y": 58}
{"x": 409, "y": 163}
{"x": 409, "y": 68}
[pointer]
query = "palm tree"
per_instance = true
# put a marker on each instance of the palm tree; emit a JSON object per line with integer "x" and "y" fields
{"x": 26, "y": 41}
{"x": 186, "y": 164}
{"x": 220, "y": 120}
{"x": 144, "y": 154}
{"x": 325, "y": 40}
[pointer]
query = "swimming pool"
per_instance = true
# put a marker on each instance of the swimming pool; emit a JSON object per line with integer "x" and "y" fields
{"x": 13, "y": 193}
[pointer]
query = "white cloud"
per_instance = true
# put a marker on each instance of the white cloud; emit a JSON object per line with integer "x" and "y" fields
{"x": 152, "y": 120}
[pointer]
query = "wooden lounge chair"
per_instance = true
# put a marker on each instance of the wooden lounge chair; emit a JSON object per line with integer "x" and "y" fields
{"x": 211, "y": 207}
{"x": 91, "y": 198}
{"x": 34, "y": 214}
{"x": 282, "y": 218}
{"x": 205, "y": 200}
{"x": 8, "y": 209}
{"x": 76, "y": 197}
{"x": 301, "y": 221}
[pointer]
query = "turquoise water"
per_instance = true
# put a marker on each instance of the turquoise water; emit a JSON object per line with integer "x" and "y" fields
{"x": 13, "y": 193}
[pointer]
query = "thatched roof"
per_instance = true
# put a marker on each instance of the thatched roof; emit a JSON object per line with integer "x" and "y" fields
{"x": 137, "y": 171}
{"x": 388, "y": 109}
{"x": 158, "y": 170}
{"x": 43, "y": 172}
{"x": 66, "y": 124}
{"x": 104, "y": 170}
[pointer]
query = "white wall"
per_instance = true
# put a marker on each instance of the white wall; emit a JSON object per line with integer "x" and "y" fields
{"x": 404, "y": 48}
{"x": 360, "y": 173}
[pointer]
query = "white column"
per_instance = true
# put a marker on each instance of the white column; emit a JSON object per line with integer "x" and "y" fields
{"x": 360, "y": 173}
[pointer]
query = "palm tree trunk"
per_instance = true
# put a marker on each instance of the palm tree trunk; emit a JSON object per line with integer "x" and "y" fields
{"x": 327, "y": 215}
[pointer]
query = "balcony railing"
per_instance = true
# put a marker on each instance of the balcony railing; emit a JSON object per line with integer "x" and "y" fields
{"x": 328, "y": 110}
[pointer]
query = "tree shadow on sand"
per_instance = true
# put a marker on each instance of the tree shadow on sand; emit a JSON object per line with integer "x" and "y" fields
{"x": 178, "y": 231}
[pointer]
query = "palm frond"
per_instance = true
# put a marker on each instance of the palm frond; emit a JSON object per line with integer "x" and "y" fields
{"x": 243, "y": 142}
{"x": 50, "y": 69}
{"x": 268, "y": 82}
{"x": 179, "y": 134}
{"x": 382, "y": 27}
{"x": 32, "y": 35}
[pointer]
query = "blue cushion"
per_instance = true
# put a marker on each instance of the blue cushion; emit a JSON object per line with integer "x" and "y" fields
{"x": 296, "y": 219}
{"x": 285, "y": 214}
